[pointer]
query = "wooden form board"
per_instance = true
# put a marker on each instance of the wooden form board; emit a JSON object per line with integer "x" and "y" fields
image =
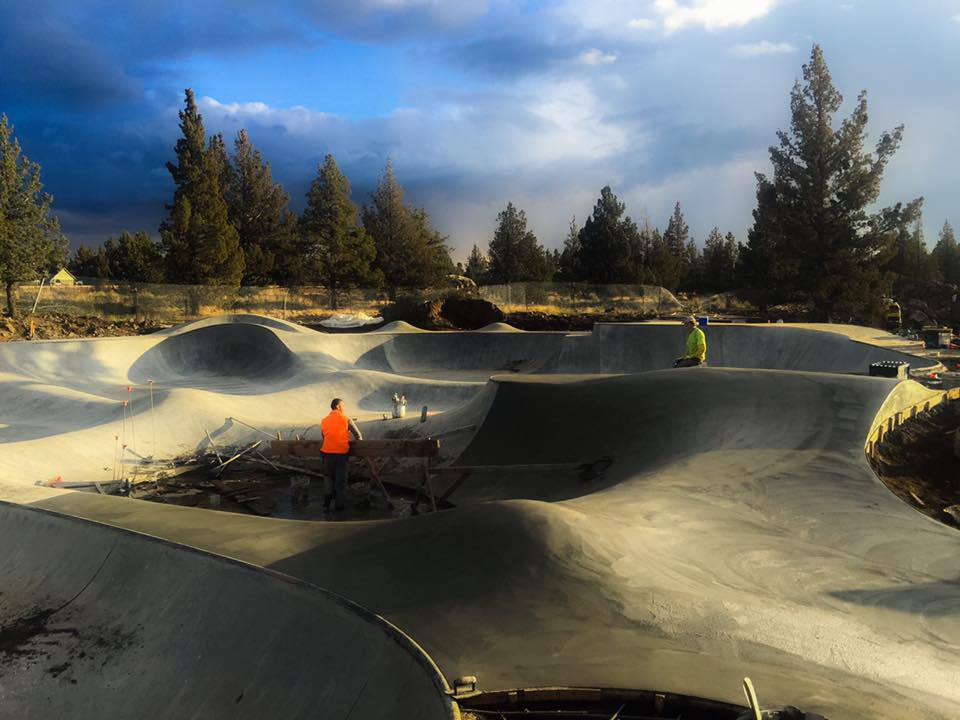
{"x": 420, "y": 448}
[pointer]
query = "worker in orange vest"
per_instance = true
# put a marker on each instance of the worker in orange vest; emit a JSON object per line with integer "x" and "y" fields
{"x": 337, "y": 429}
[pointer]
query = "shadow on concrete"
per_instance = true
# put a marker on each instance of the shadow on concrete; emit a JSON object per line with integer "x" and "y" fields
{"x": 936, "y": 598}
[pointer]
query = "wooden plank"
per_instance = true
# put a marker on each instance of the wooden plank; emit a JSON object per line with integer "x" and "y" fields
{"x": 296, "y": 448}
{"x": 219, "y": 468}
{"x": 293, "y": 468}
{"x": 427, "y": 447}
{"x": 375, "y": 477}
{"x": 419, "y": 448}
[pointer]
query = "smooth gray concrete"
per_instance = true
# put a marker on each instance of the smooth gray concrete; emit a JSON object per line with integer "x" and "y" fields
{"x": 97, "y": 622}
{"x": 737, "y": 529}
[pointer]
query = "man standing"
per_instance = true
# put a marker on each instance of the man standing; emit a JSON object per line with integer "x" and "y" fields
{"x": 337, "y": 429}
{"x": 696, "y": 345}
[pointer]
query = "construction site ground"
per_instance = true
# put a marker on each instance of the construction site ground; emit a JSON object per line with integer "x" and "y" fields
{"x": 920, "y": 462}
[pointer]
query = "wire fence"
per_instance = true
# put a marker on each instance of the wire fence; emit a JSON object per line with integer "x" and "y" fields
{"x": 580, "y": 298}
{"x": 164, "y": 304}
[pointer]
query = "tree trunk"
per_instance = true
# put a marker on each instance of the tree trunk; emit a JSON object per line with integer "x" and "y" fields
{"x": 11, "y": 305}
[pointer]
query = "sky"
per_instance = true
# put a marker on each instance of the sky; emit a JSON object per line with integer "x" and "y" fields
{"x": 478, "y": 102}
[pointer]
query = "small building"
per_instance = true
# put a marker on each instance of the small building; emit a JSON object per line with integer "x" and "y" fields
{"x": 63, "y": 277}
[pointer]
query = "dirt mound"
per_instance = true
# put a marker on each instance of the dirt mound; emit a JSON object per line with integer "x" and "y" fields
{"x": 450, "y": 313}
{"x": 54, "y": 326}
{"x": 917, "y": 461}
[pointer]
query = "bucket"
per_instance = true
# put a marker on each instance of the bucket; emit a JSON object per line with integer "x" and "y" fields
{"x": 703, "y": 320}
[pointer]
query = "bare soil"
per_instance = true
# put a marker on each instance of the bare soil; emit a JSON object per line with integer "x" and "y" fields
{"x": 55, "y": 326}
{"x": 918, "y": 462}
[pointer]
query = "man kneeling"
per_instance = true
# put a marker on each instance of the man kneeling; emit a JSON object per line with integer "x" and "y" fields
{"x": 696, "y": 345}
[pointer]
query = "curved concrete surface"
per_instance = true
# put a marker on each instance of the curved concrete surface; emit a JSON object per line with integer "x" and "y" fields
{"x": 241, "y": 351}
{"x": 100, "y": 622}
{"x": 669, "y": 531}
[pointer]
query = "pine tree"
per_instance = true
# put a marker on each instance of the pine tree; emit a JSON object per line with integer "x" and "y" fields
{"x": 569, "y": 267}
{"x": 30, "y": 239}
{"x": 661, "y": 264}
{"x": 683, "y": 251}
{"x": 137, "y": 258}
{"x": 610, "y": 243}
{"x": 201, "y": 245}
{"x": 85, "y": 262}
{"x": 337, "y": 251}
{"x": 477, "y": 266}
{"x": 719, "y": 261}
{"x": 713, "y": 260}
{"x": 410, "y": 254}
{"x": 731, "y": 260}
{"x": 946, "y": 255}
{"x": 515, "y": 254}
{"x": 258, "y": 209}
{"x": 812, "y": 237}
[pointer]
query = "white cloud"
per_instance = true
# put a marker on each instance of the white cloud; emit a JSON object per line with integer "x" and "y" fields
{"x": 642, "y": 24}
{"x": 764, "y": 47}
{"x": 956, "y": 18}
{"x": 595, "y": 57}
{"x": 710, "y": 14}
{"x": 295, "y": 120}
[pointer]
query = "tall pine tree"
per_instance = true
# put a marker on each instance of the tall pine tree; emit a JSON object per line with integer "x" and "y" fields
{"x": 946, "y": 255}
{"x": 812, "y": 237}
{"x": 257, "y": 207}
{"x": 201, "y": 245}
{"x": 336, "y": 250}
{"x": 610, "y": 243}
{"x": 515, "y": 254}
{"x": 477, "y": 266}
{"x": 569, "y": 264}
{"x": 683, "y": 251}
{"x": 410, "y": 254}
{"x": 30, "y": 238}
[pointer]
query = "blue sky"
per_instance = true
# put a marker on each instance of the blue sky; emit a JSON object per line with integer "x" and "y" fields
{"x": 478, "y": 102}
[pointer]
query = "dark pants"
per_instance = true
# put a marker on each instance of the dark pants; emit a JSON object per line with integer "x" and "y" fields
{"x": 687, "y": 362}
{"x": 335, "y": 468}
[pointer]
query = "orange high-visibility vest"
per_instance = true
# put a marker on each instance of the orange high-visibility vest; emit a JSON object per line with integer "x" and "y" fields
{"x": 336, "y": 433}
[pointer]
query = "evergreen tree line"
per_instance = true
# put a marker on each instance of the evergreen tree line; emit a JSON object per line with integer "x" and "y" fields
{"x": 230, "y": 224}
{"x": 816, "y": 236}
{"x": 609, "y": 248}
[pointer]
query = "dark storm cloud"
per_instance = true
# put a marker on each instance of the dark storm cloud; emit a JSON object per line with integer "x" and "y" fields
{"x": 45, "y": 61}
{"x": 85, "y": 56}
{"x": 393, "y": 20}
{"x": 508, "y": 55}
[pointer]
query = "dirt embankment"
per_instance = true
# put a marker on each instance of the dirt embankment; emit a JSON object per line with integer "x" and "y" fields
{"x": 56, "y": 327}
{"x": 918, "y": 461}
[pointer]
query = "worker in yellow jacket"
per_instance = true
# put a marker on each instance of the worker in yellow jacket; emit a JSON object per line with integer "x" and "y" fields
{"x": 696, "y": 345}
{"x": 337, "y": 429}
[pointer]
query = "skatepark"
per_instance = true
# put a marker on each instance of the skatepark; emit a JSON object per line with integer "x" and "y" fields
{"x": 732, "y": 526}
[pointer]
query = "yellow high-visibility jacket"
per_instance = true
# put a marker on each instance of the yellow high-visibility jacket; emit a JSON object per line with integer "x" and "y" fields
{"x": 697, "y": 344}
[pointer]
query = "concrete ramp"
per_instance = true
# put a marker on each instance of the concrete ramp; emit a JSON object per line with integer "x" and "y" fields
{"x": 628, "y": 347}
{"x": 240, "y": 351}
{"x": 104, "y": 623}
{"x": 625, "y": 348}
